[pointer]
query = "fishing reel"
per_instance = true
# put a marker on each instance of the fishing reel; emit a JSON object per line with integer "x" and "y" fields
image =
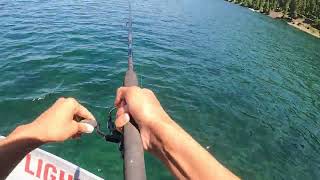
{"x": 113, "y": 136}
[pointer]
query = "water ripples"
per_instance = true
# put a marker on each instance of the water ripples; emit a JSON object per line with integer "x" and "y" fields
{"x": 242, "y": 84}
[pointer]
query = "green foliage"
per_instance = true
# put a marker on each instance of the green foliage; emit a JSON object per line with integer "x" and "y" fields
{"x": 266, "y": 7}
{"x": 293, "y": 8}
{"x": 256, "y": 4}
{"x": 316, "y": 23}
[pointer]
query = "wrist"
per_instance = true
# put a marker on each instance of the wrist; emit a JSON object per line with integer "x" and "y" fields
{"x": 29, "y": 133}
{"x": 160, "y": 133}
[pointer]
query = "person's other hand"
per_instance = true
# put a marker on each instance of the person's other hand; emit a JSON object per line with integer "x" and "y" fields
{"x": 144, "y": 107}
{"x": 57, "y": 123}
{"x": 161, "y": 136}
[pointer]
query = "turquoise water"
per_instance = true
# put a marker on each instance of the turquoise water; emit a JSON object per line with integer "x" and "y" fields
{"x": 244, "y": 85}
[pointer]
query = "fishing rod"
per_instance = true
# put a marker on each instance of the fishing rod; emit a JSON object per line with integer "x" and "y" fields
{"x": 130, "y": 141}
{"x": 134, "y": 168}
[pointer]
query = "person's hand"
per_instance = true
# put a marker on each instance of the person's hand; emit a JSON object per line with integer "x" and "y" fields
{"x": 161, "y": 136}
{"x": 145, "y": 109}
{"x": 57, "y": 123}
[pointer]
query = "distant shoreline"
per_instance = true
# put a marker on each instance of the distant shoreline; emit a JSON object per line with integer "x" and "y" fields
{"x": 299, "y": 23}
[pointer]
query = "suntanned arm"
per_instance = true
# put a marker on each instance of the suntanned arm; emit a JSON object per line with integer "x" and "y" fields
{"x": 185, "y": 158}
{"x": 161, "y": 136}
{"x": 15, "y": 147}
{"x": 54, "y": 125}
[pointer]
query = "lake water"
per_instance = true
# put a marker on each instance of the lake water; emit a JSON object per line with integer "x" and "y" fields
{"x": 245, "y": 86}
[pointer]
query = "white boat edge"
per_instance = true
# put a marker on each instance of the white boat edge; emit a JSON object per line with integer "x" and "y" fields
{"x": 40, "y": 164}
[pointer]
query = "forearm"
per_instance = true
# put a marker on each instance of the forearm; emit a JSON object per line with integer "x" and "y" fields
{"x": 14, "y": 148}
{"x": 56, "y": 124}
{"x": 184, "y": 156}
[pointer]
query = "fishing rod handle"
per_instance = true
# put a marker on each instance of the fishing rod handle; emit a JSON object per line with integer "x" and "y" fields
{"x": 134, "y": 166}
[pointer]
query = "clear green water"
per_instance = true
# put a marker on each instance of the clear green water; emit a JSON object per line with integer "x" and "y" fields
{"x": 241, "y": 83}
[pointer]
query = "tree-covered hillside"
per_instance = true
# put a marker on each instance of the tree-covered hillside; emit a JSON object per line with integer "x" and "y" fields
{"x": 308, "y": 9}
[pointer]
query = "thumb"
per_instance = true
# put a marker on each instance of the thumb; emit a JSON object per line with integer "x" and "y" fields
{"x": 85, "y": 127}
{"x": 121, "y": 121}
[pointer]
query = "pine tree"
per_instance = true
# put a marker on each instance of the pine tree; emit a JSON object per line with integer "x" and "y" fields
{"x": 293, "y": 9}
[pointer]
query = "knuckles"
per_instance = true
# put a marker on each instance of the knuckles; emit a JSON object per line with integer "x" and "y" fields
{"x": 147, "y": 91}
{"x": 61, "y": 99}
{"x": 68, "y": 101}
{"x": 71, "y": 101}
{"x": 118, "y": 90}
